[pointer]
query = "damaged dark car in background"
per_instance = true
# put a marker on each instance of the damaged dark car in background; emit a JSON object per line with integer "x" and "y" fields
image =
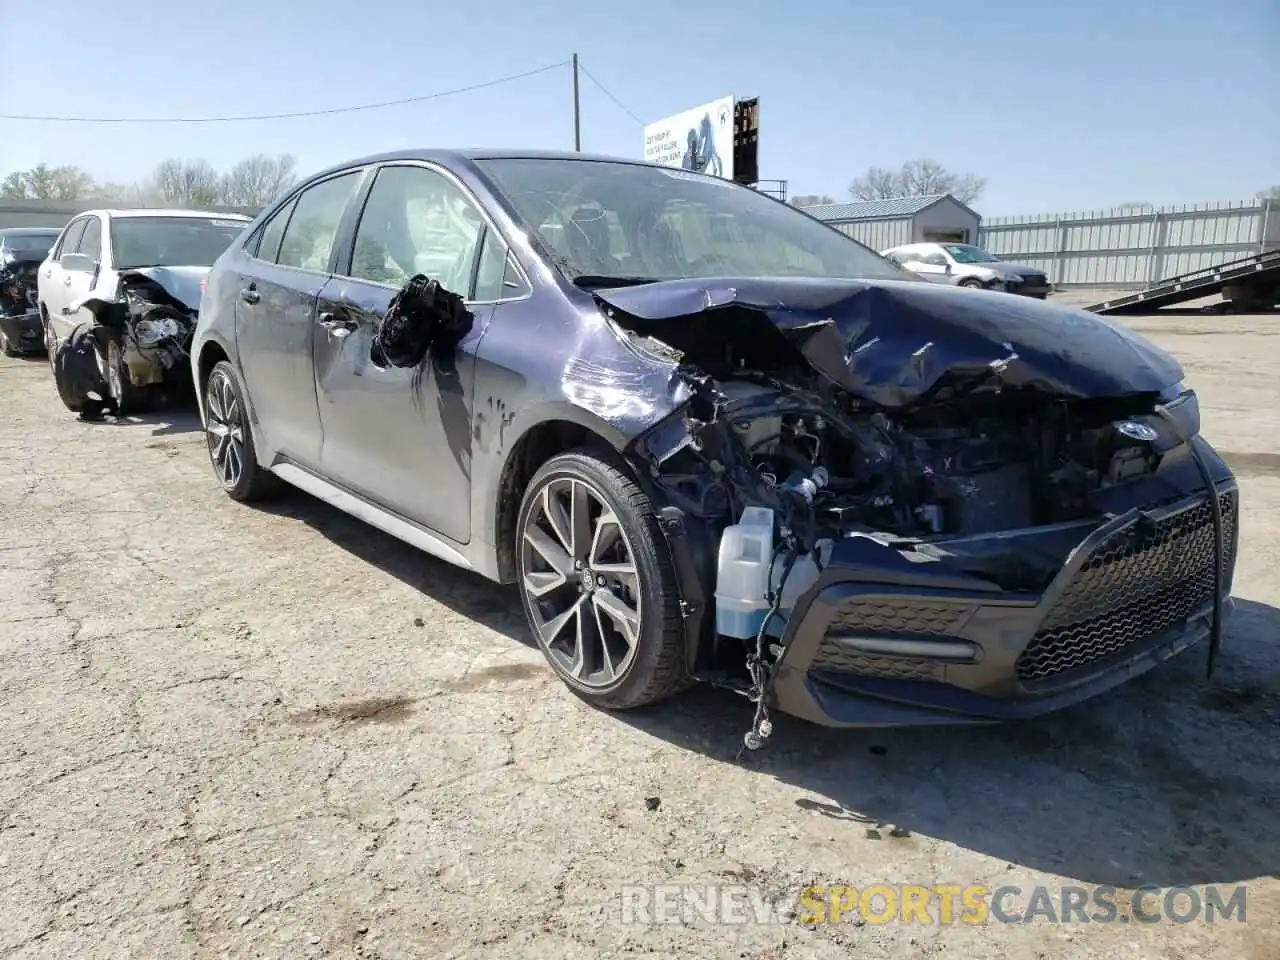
{"x": 22, "y": 250}
{"x": 711, "y": 439}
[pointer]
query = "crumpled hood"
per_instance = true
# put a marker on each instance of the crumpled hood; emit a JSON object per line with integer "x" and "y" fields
{"x": 181, "y": 283}
{"x": 894, "y": 342}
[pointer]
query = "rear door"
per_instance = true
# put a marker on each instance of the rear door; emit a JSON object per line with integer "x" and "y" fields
{"x": 281, "y": 272}
{"x": 402, "y": 437}
{"x": 54, "y": 282}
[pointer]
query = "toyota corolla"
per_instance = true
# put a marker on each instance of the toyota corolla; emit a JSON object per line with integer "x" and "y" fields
{"x": 711, "y": 439}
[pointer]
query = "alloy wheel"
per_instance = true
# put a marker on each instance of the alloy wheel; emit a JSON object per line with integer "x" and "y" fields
{"x": 225, "y": 430}
{"x": 581, "y": 583}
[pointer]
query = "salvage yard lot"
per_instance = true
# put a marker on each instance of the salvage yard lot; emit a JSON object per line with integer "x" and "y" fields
{"x": 237, "y": 731}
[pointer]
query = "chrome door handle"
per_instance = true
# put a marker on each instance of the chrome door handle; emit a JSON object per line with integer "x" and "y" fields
{"x": 337, "y": 324}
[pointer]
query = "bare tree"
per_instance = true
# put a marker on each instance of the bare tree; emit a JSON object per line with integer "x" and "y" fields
{"x": 187, "y": 183}
{"x": 1270, "y": 193}
{"x": 916, "y": 178}
{"x": 877, "y": 184}
{"x": 257, "y": 180}
{"x": 43, "y": 182}
{"x": 811, "y": 200}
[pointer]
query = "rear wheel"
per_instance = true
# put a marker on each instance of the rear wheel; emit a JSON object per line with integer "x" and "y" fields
{"x": 5, "y": 346}
{"x": 973, "y": 284}
{"x": 597, "y": 583}
{"x": 230, "y": 441}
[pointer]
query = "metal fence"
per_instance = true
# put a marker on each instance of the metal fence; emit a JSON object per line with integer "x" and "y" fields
{"x": 1131, "y": 247}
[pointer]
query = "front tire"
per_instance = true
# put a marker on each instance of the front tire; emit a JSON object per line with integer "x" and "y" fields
{"x": 76, "y": 375}
{"x": 597, "y": 583}
{"x": 230, "y": 440}
{"x": 124, "y": 396}
{"x": 973, "y": 284}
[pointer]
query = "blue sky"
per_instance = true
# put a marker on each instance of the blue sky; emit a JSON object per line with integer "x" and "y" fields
{"x": 1060, "y": 105}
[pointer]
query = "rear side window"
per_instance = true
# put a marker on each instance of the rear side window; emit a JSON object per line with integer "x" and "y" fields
{"x": 308, "y": 239}
{"x": 268, "y": 245}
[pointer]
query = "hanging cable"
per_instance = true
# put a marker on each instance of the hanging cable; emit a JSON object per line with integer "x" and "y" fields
{"x": 603, "y": 89}
{"x": 298, "y": 114}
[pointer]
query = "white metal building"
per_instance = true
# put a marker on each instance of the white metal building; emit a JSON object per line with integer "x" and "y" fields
{"x": 882, "y": 224}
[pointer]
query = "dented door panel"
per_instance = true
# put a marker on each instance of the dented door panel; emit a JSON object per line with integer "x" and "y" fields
{"x": 275, "y": 309}
{"x": 399, "y": 436}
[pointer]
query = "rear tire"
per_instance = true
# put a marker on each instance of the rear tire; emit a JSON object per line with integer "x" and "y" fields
{"x": 230, "y": 439}
{"x": 973, "y": 284}
{"x": 5, "y": 346}
{"x": 597, "y": 583}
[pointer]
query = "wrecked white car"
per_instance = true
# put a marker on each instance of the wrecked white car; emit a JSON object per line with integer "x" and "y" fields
{"x": 118, "y": 297}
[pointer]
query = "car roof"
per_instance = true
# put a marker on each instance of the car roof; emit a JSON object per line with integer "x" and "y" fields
{"x": 139, "y": 212}
{"x": 460, "y": 157}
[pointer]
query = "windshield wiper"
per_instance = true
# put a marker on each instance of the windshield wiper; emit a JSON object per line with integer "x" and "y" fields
{"x": 589, "y": 280}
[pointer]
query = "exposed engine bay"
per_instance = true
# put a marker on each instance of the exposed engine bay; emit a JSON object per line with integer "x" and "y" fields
{"x": 18, "y": 286}
{"x": 801, "y": 433}
{"x": 973, "y": 462}
{"x": 152, "y": 325}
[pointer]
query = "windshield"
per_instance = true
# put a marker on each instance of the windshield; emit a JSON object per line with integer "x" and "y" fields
{"x": 29, "y": 243}
{"x": 607, "y": 220}
{"x": 171, "y": 241}
{"x": 966, "y": 253}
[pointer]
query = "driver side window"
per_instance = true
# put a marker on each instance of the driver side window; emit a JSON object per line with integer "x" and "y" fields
{"x": 934, "y": 259}
{"x": 71, "y": 239}
{"x": 416, "y": 221}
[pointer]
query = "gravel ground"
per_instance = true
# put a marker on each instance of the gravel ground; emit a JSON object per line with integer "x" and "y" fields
{"x": 275, "y": 732}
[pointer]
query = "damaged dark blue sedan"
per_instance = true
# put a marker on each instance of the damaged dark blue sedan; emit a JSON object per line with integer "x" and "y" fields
{"x": 710, "y": 438}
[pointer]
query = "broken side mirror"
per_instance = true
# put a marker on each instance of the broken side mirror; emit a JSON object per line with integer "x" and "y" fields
{"x": 422, "y": 315}
{"x": 78, "y": 263}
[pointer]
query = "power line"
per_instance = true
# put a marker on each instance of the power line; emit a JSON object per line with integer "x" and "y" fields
{"x": 618, "y": 103}
{"x": 299, "y": 114}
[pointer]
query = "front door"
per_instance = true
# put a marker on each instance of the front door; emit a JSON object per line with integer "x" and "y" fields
{"x": 402, "y": 437}
{"x": 934, "y": 266}
{"x": 281, "y": 274}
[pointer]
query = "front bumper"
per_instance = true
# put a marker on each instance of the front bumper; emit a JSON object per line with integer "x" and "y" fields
{"x": 1037, "y": 287}
{"x": 24, "y": 331}
{"x": 1136, "y": 591}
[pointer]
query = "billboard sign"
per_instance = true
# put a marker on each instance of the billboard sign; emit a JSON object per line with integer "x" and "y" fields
{"x": 700, "y": 139}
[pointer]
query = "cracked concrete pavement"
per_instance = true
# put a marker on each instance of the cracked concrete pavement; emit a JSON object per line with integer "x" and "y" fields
{"x": 275, "y": 732}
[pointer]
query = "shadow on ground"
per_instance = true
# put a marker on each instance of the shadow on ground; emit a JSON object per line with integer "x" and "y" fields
{"x": 488, "y": 603}
{"x": 166, "y": 417}
{"x": 1162, "y": 781}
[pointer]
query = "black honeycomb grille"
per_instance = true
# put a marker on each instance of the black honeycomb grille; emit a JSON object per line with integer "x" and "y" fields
{"x": 1135, "y": 586}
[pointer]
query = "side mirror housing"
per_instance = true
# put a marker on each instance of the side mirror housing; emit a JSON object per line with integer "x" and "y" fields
{"x": 78, "y": 263}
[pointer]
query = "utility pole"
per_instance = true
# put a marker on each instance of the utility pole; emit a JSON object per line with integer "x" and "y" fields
{"x": 577, "y": 110}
